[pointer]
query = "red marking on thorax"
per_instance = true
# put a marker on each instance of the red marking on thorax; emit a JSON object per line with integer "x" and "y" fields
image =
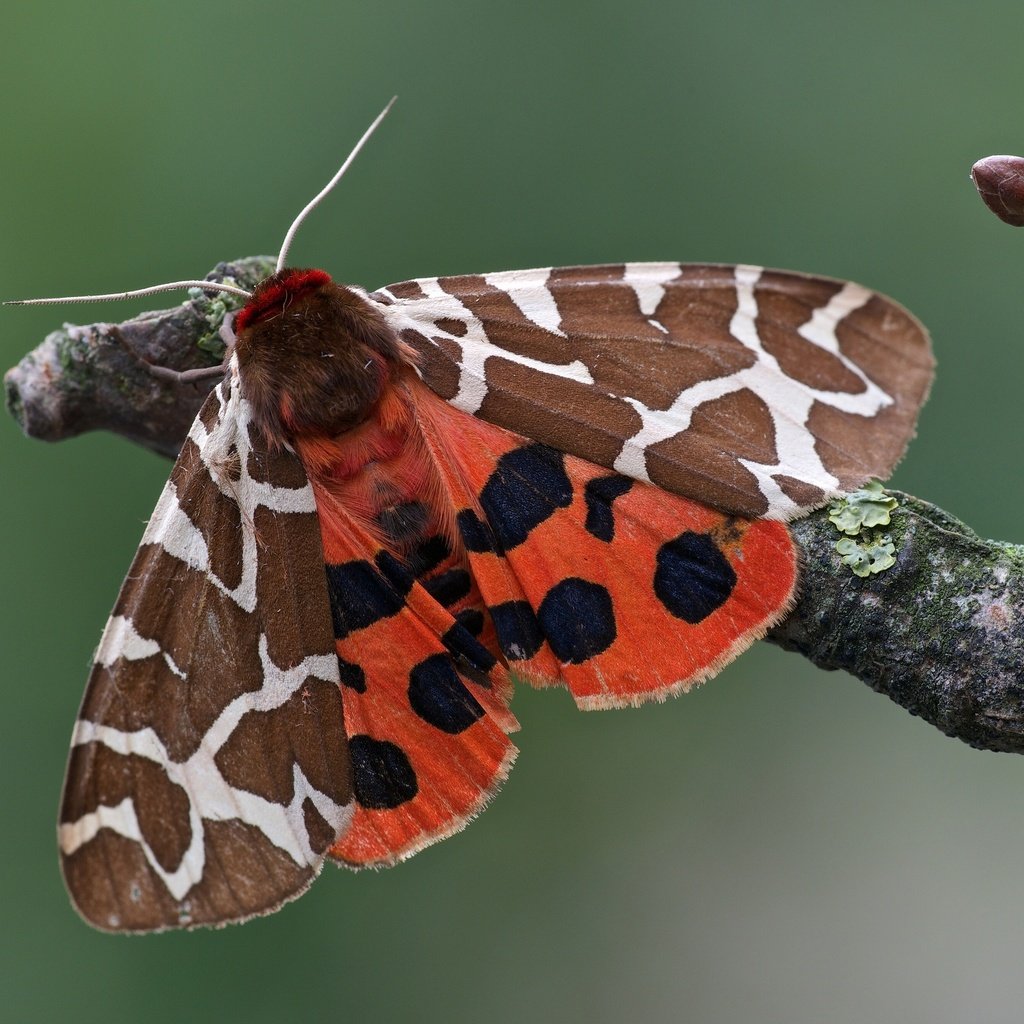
{"x": 268, "y": 302}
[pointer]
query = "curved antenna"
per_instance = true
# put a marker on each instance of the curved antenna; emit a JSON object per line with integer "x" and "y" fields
{"x": 171, "y": 286}
{"x": 311, "y": 205}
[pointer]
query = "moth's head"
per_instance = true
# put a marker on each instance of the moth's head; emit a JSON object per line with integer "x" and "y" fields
{"x": 313, "y": 356}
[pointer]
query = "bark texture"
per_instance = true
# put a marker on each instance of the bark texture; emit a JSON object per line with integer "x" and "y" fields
{"x": 940, "y": 632}
{"x": 97, "y": 377}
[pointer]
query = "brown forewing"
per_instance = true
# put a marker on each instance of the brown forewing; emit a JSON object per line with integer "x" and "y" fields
{"x": 210, "y": 769}
{"x": 718, "y": 358}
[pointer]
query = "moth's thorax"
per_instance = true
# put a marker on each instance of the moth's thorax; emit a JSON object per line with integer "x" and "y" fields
{"x": 314, "y": 357}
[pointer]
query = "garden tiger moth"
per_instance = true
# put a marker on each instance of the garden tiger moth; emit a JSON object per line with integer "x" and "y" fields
{"x": 396, "y": 502}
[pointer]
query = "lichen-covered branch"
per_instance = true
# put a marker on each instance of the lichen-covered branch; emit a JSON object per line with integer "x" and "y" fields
{"x": 98, "y": 377}
{"x": 941, "y": 631}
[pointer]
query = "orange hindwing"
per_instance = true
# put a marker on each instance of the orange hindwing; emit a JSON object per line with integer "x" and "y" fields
{"x": 459, "y": 552}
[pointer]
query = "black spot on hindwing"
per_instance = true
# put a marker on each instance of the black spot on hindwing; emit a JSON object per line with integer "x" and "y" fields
{"x": 427, "y": 555}
{"x": 599, "y": 495}
{"x": 352, "y": 675}
{"x": 471, "y": 619}
{"x": 476, "y": 535}
{"x": 528, "y": 486}
{"x": 519, "y": 633}
{"x": 360, "y": 596}
{"x": 394, "y": 571}
{"x": 577, "y": 619}
{"x": 438, "y": 695}
{"x": 383, "y": 778}
{"x": 692, "y": 577}
{"x": 448, "y": 587}
{"x": 465, "y": 646}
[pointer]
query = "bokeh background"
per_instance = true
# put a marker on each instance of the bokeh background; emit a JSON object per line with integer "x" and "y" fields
{"x": 783, "y": 845}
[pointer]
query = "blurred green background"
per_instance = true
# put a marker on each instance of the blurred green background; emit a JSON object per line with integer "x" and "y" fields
{"x": 783, "y": 845}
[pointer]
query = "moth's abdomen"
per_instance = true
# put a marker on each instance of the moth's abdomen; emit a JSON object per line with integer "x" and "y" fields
{"x": 378, "y": 478}
{"x": 313, "y": 356}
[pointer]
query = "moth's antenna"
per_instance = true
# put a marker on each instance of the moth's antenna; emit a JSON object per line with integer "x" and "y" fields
{"x": 311, "y": 205}
{"x": 172, "y": 286}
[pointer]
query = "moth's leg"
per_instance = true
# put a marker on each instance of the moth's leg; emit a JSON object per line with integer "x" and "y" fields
{"x": 227, "y": 335}
{"x": 195, "y": 375}
{"x": 184, "y": 376}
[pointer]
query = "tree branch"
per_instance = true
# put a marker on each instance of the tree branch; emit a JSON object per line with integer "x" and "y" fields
{"x": 939, "y": 632}
{"x": 100, "y": 377}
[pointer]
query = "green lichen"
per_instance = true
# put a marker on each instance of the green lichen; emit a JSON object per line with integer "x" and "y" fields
{"x": 14, "y": 402}
{"x": 865, "y": 549}
{"x": 210, "y": 340}
{"x": 213, "y": 309}
{"x": 66, "y": 349}
{"x": 864, "y": 509}
{"x": 864, "y": 559}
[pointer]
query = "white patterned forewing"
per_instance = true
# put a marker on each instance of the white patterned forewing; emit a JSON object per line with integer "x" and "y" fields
{"x": 758, "y": 392}
{"x": 209, "y": 770}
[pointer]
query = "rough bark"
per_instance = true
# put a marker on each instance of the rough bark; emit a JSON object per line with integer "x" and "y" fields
{"x": 98, "y": 377}
{"x": 939, "y": 631}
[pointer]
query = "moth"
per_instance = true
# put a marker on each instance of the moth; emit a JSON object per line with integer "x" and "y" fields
{"x": 396, "y": 503}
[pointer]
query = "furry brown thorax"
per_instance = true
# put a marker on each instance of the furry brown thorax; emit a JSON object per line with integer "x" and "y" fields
{"x": 313, "y": 356}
